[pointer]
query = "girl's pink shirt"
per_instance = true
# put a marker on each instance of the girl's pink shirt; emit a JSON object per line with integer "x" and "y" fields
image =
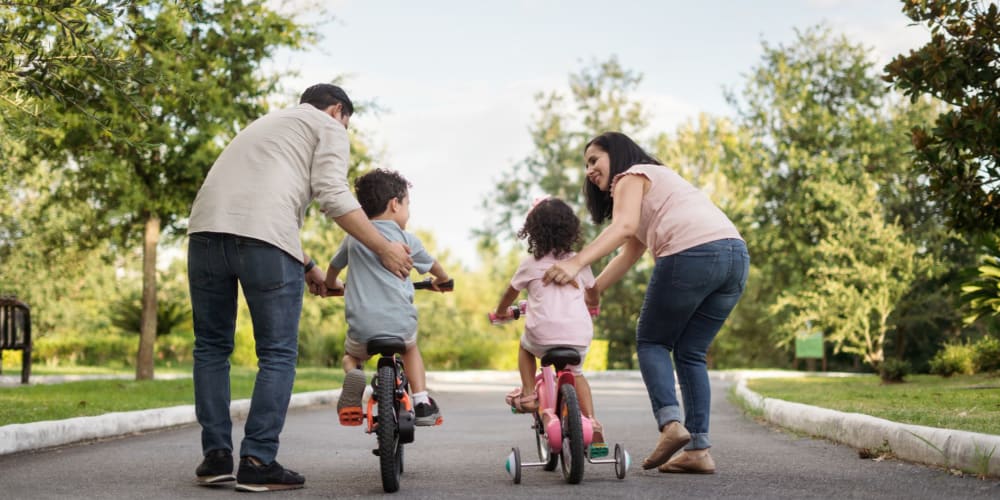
{"x": 676, "y": 215}
{"x": 557, "y": 314}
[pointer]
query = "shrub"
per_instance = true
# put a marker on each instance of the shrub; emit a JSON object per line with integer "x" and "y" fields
{"x": 952, "y": 359}
{"x": 987, "y": 354}
{"x": 893, "y": 370}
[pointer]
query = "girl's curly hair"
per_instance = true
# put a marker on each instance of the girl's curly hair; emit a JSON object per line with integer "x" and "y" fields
{"x": 551, "y": 227}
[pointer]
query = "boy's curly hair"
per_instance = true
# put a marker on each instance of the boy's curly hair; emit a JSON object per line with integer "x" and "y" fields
{"x": 551, "y": 227}
{"x": 376, "y": 188}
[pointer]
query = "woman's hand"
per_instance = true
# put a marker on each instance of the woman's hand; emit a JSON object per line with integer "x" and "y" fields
{"x": 562, "y": 273}
{"x": 592, "y": 297}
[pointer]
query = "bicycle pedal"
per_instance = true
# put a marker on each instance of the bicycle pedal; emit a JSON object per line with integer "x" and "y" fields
{"x": 597, "y": 450}
{"x": 351, "y": 416}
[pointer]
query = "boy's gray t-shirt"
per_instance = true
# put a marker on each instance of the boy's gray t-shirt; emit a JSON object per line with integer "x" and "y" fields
{"x": 377, "y": 302}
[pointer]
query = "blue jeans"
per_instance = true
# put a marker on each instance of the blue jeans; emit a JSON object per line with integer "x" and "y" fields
{"x": 689, "y": 297}
{"x": 273, "y": 284}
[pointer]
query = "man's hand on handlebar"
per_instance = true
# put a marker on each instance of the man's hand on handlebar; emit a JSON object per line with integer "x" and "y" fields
{"x": 335, "y": 289}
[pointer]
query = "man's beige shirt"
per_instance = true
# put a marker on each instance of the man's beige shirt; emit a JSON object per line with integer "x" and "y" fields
{"x": 262, "y": 183}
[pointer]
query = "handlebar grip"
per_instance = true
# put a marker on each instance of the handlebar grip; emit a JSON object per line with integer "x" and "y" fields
{"x": 427, "y": 284}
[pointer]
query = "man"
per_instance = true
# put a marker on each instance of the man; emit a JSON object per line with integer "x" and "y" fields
{"x": 244, "y": 228}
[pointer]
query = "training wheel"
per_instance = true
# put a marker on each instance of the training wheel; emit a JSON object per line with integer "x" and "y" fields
{"x": 514, "y": 465}
{"x": 622, "y": 461}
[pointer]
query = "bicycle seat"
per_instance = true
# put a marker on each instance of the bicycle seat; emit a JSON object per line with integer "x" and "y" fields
{"x": 560, "y": 357}
{"x": 386, "y": 346}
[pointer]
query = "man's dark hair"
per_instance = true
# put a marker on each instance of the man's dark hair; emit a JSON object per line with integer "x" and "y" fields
{"x": 376, "y": 188}
{"x": 324, "y": 95}
{"x": 551, "y": 227}
{"x": 623, "y": 154}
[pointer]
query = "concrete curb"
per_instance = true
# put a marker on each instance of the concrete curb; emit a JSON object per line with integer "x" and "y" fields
{"x": 967, "y": 451}
{"x": 37, "y": 435}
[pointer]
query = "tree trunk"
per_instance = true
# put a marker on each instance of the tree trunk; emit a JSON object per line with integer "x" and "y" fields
{"x": 147, "y": 337}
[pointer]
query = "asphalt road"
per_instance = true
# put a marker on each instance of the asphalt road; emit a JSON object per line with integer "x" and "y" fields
{"x": 464, "y": 458}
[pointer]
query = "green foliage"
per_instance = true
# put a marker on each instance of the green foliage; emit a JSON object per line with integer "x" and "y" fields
{"x": 108, "y": 350}
{"x": 142, "y": 179}
{"x": 864, "y": 266}
{"x": 958, "y": 66}
{"x": 987, "y": 354}
{"x": 53, "y": 51}
{"x": 954, "y": 359}
{"x": 893, "y": 370}
{"x": 126, "y": 314}
{"x": 982, "y": 294}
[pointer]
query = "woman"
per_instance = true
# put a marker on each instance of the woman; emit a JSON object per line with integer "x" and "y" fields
{"x": 700, "y": 272}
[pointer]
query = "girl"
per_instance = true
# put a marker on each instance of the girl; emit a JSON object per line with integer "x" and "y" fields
{"x": 558, "y": 315}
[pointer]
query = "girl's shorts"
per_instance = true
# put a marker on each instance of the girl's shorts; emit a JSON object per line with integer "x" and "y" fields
{"x": 539, "y": 350}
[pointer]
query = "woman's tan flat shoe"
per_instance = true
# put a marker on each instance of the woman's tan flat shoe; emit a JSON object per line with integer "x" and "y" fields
{"x": 672, "y": 438}
{"x": 690, "y": 462}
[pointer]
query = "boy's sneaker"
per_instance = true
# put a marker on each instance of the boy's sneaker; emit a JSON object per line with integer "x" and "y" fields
{"x": 271, "y": 477}
{"x": 349, "y": 404}
{"x": 216, "y": 468}
{"x": 427, "y": 413}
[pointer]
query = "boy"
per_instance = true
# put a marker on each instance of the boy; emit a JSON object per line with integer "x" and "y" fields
{"x": 377, "y": 302}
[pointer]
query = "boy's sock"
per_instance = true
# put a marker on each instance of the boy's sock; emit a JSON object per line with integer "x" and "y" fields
{"x": 419, "y": 397}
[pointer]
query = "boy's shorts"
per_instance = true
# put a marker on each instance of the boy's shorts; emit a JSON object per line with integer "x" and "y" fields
{"x": 539, "y": 350}
{"x": 360, "y": 350}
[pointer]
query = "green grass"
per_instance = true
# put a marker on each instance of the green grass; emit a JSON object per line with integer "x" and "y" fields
{"x": 969, "y": 402}
{"x": 23, "y": 404}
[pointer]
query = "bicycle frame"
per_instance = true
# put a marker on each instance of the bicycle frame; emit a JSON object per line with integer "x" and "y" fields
{"x": 547, "y": 386}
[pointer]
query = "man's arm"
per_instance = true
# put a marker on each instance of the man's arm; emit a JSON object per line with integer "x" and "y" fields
{"x": 395, "y": 256}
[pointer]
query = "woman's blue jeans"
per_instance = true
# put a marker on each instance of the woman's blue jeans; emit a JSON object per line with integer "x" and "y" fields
{"x": 273, "y": 284}
{"x": 689, "y": 297}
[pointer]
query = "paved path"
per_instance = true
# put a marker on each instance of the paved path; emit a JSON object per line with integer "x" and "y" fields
{"x": 464, "y": 459}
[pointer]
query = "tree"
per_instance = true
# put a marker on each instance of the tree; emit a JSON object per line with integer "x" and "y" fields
{"x": 142, "y": 181}
{"x": 961, "y": 67}
{"x": 863, "y": 267}
{"x": 816, "y": 111}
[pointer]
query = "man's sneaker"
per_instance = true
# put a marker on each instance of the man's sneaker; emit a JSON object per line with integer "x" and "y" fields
{"x": 427, "y": 413}
{"x": 216, "y": 468}
{"x": 349, "y": 404}
{"x": 271, "y": 477}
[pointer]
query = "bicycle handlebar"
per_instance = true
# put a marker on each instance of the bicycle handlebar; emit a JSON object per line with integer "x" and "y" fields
{"x": 426, "y": 284}
{"x": 515, "y": 312}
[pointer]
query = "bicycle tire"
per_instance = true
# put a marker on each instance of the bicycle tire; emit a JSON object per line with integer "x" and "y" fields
{"x": 389, "y": 448}
{"x": 572, "y": 429}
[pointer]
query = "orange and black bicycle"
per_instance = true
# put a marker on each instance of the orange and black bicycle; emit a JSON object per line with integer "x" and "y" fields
{"x": 389, "y": 413}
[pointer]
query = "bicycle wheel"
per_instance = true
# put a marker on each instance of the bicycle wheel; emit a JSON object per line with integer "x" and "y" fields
{"x": 389, "y": 449}
{"x": 572, "y": 431}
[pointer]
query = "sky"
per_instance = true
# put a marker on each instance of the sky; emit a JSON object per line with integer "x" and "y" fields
{"x": 456, "y": 79}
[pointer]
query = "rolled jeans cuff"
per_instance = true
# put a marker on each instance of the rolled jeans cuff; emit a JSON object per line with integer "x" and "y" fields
{"x": 667, "y": 414}
{"x": 699, "y": 441}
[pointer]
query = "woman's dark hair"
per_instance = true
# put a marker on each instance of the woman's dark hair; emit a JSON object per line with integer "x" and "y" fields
{"x": 551, "y": 227}
{"x": 376, "y": 188}
{"x": 324, "y": 95}
{"x": 623, "y": 153}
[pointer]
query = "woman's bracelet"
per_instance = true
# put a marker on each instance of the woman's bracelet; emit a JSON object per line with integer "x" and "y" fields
{"x": 309, "y": 265}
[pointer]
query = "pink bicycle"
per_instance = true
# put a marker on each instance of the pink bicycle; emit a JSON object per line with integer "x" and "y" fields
{"x": 562, "y": 434}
